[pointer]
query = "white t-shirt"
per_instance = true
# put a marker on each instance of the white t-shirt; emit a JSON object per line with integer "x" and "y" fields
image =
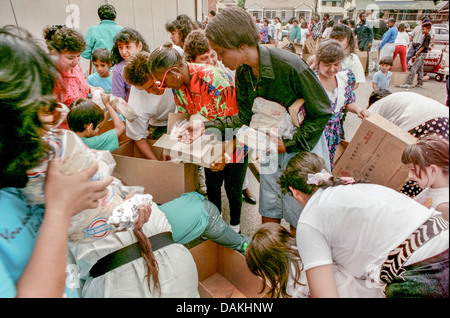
{"x": 408, "y": 110}
{"x": 402, "y": 39}
{"x": 278, "y": 31}
{"x": 357, "y": 226}
{"x": 177, "y": 270}
{"x": 431, "y": 198}
{"x": 304, "y": 33}
{"x": 347, "y": 286}
{"x": 150, "y": 109}
{"x": 353, "y": 63}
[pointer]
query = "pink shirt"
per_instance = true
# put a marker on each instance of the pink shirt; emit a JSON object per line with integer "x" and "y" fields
{"x": 73, "y": 86}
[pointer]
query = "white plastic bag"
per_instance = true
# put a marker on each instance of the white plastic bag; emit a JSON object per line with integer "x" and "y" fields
{"x": 92, "y": 224}
{"x": 268, "y": 114}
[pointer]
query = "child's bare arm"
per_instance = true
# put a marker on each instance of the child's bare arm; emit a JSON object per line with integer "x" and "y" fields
{"x": 354, "y": 108}
{"x": 119, "y": 126}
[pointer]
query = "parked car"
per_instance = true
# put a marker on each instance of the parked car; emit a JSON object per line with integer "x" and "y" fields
{"x": 441, "y": 34}
{"x": 441, "y": 25}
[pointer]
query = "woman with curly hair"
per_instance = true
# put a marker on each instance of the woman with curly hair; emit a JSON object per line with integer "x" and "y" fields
{"x": 65, "y": 45}
{"x": 179, "y": 29}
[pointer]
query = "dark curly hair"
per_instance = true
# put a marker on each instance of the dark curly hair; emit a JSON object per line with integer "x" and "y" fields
{"x": 27, "y": 78}
{"x": 184, "y": 25}
{"x": 135, "y": 71}
{"x": 341, "y": 31}
{"x": 196, "y": 44}
{"x": 126, "y": 35}
{"x": 63, "y": 39}
{"x": 107, "y": 12}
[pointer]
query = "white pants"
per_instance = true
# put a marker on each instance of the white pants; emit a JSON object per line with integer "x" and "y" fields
{"x": 387, "y": 50}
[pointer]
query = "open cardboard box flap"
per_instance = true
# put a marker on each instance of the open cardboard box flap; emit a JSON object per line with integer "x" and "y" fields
{"x": 202, "y": 151}
{"x": 164, "y": 180}
{"x": 223, "y": 273}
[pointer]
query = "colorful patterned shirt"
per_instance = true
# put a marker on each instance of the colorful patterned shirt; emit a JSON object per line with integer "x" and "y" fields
{"x": 211, "y": 94}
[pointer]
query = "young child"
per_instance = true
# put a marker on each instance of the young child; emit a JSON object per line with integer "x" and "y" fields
{"x": 101, "y": 58}
{"x": 382, "y": 78}
{"x": 273, "y": 255}
{"x": 401, "y": 46}
{"x": 338, "y": 85}
{"x": 86, "y": 119}
{"x": 126, "y": 42}
{"x": 417, "y": 67}
{"x": 66, "y": 45}
{"x": 304, "y": 32}
{"x": 428, "y": 164}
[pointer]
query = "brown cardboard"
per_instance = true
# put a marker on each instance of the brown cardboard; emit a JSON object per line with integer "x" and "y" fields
{"x": 203, "y": 151}
{"x": 343, "y": 144}
{"x": 363, "y": 56}
{"x": 400, "y": 78}
{"x": 164, "y": 180}
{"x": 223, "y": 273}
{"x": 374, "y": 153}
{"x": 298, "y": 48}
{"x": 296, "y": 110}
{"x": 397, "y": 65}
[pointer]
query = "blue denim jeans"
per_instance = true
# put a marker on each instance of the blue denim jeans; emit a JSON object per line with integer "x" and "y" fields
{"x": 425, "y": 279}
{"x": 274, "y": 204}
{"x": 220, "y": 232}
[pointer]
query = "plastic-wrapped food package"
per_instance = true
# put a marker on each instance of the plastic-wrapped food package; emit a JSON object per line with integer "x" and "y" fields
{"x": 122, "y": 107}
{"x": 97, "y": 98}
{"x": 92, "y": 224}
{"x": 269, "y": 115}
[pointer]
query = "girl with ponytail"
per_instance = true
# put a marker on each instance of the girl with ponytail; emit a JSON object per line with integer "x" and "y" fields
{"x": 366, "y": 230}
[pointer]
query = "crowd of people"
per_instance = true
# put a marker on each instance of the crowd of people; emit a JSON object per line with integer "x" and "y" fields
{"x": 347, "y": 237}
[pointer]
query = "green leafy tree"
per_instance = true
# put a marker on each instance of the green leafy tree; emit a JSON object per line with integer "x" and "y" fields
{"x": 241, "y": 3}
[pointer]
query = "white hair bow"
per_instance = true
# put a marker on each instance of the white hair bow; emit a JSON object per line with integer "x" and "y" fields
{"x": 318, "y": 177}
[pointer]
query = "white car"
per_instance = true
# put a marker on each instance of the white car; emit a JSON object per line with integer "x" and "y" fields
{"x": 441, "y": 34}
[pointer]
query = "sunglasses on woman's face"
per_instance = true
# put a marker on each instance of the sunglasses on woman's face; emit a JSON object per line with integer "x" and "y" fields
{"x": 161, "y": 84}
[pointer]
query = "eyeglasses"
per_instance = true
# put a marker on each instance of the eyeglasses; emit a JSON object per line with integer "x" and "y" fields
{"x": 160, "y": 84}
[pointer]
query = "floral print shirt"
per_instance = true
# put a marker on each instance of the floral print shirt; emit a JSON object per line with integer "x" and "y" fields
{"x": 211, "y": 94}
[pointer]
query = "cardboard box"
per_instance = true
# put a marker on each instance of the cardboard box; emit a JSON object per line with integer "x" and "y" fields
{"x": 400, "y": 78}
{"x": 164, "y": 180}
{"x": 363, "y": 56}
{"x": 298, "y": 48}
{"x": 343, "y": 144}
{"x": 397, "y": 65}
{"x": 297, "y": 112}
{"x": 374, "y": 153}
{"x": 223, "y": 273}
{"x": 203, "y": 151}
